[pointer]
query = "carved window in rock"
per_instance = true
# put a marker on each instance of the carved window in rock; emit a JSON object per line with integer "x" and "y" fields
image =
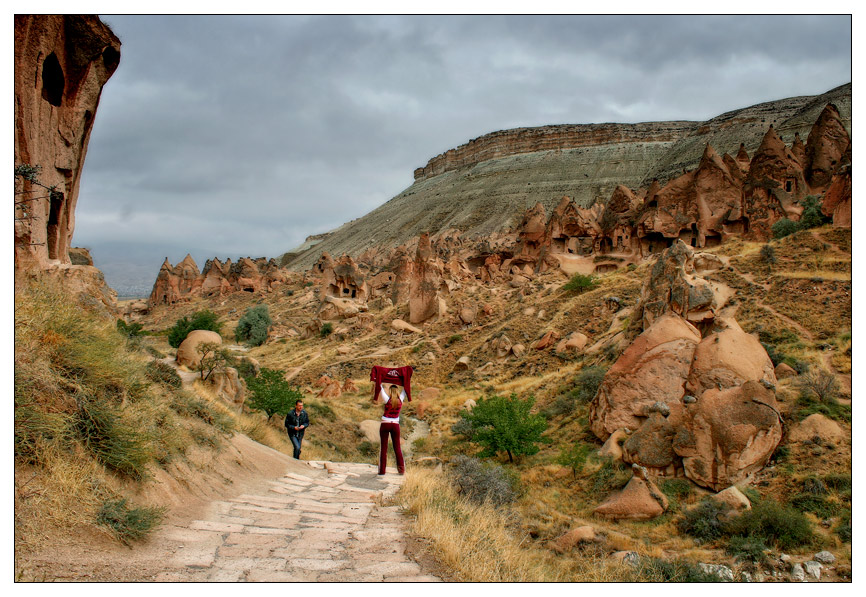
{"x": 53, "y": 81}
{"x": 55, "y": 219}
{"x": 789, "y": 185}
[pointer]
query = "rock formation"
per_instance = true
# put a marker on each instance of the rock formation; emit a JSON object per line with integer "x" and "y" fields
{"x": 187, "y": 352}
{"x": 700, "y": 399}
{"x": 61, "y": 65}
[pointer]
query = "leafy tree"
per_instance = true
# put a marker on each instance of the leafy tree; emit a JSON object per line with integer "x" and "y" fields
{"x": 581, "y": 283}
{"x": 784, "y": 227}
{"x": 253, "y": 325}
{"x": 272, "y": 393}
{"x": 212, "y": 358}
{"x": 812, "y": 216}
{"x": 201, "y": 320}
{"x": 503, "y": 424}
{"x": 574, "y": 456}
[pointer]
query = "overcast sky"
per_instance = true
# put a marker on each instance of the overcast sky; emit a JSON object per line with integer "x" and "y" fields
{"x": 240, "y": 136}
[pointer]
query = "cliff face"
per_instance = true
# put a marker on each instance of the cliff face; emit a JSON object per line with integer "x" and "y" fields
{"x": 61, "y": 65}
{"x": 547, "y": 138}
{"x": 484, "y": 187}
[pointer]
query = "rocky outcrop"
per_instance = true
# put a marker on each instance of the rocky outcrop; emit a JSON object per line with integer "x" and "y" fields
{"x": 701, "y": 399}
{"x": 424, "y": 301}
{"x": 61, "y": 64}
{"x": 639, "y": 500}
{"x": 827, "y": 143}
{"x": 183, "y": 282}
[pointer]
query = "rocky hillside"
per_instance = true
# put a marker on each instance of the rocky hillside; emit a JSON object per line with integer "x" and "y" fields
{"x": 486, "y": 185}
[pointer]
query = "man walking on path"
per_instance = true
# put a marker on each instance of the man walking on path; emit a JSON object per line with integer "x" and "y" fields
{"x": 296, "y": 422}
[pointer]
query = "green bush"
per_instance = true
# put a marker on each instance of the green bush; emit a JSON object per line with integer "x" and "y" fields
{"x": 484, "y": 482}
{"x": 253, "y": 325}
{"x": 116, "y": 443}
{"x": 130, "y": 330}
{"x": 581, "y": 283}
{"x": 750, "y": 549}
{"x": 659, "y": 570}
{"x": 319, "y": 410}
{"x": 610, "y": 476}
{"x": 463, "y": 428}
{"x": 768, "y": 254}
{"x": 575, "y": 456}
{"x": 201, "y": 320}
{"x": 190, "y": 405}
{"x": 774, "y": 524}
{"x": 812, "y": 216}
{"x": 705, "y": 522}
{"x": 452, "y": 339}
{"x": 816, "y": 504}
{"x": 271, "y": 393}
{"x": 161, "y": 372}
{"x": 503, "y": 424}
{"x": 587, "y": 383}
{"x": 327, "y": 330}
{"x": 784, "y": 227}
{"x": 129, "y": 524}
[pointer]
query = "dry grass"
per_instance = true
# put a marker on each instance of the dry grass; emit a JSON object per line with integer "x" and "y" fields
{"x": 477, "y": 543}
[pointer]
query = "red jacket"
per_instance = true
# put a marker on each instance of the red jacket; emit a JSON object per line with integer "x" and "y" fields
{"x": 396, "y": 375}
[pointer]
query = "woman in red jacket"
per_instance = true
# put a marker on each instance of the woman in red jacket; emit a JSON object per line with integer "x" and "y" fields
{"x": 390, "y": 425}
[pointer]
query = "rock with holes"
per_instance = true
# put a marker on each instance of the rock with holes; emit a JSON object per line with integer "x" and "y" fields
{"x": 728, "y": 434}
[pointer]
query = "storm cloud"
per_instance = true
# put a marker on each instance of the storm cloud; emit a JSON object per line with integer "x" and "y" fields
{"x": 241, "y": 135}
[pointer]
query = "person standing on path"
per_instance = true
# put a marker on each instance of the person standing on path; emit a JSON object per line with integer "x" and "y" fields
{"x": 391, "y": 426}
{"x": 297, "y": 422}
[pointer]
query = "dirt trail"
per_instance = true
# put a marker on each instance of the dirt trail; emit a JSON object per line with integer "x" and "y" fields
{"x": 325, "y": 525}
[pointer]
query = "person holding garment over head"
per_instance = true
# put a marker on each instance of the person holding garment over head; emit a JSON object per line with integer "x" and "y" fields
{"x": 397, "y": 380}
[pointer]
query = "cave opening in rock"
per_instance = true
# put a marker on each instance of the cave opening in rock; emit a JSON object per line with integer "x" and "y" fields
{"x": 53, "y": 81}
{"x": 55, "y": 215}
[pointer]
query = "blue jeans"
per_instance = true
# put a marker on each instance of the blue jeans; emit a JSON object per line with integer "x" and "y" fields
{"x": 296, "y": 442}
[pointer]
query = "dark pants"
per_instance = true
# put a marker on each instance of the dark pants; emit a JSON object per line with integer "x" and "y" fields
{"x": 296, "y": 442}
{"x": 392, "y": 429}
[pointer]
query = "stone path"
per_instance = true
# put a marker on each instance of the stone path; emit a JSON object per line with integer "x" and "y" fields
{"x": 325, "y": 525}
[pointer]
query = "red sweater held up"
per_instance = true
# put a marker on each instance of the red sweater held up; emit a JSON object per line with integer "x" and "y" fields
{"x": 396, "y": 375}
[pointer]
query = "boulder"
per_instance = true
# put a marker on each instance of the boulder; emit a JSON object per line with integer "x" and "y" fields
{"x": 467, "y": 314}
{"x": 639, "y": 500}
{"x": 652, "y": 369}
{"x": 501, "y": 345}
{"x": 612, "y": 448}
{"x": 424, "y": 284}
{"x": 784, "y": 370}
{"x": 549, "y": 339}
{"x": 402, "y": 326}
{"x": 733, "y": 497}
{"x": 825, "y": 557}
{"x": 228, "y": 386}
{"x": 518, "y": 350}
{"x": 187, "y": 353}
{"x": 651, "y": 446}
{"x": 344, "y": 349}
{"x": 462, "y": 363}
{"x": 323, "y": 381}
{"x": 370, "y": 430}
{"x": 727, "y": 358}
{"x": 729, "y": 434}
{"x": 574, "y": 537}
{"x": 817, "y": 425}
{"x": 429, "y": 394}
{"x": 332, "y": 390}
{"x": 349, "y": 386}
{"x": 334, "y": 308}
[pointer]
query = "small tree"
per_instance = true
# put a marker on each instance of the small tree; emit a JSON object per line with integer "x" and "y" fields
{"x": 768, "y": 254}
{"x": 212, "y": 358}
{"x": 129, "y": 330}
{"x": 503, "y": 424}
{"x": 271, "y": 392}
{"x": 201, "y": 320}
{"x": 253, "y": 325}
{"x": 574, "y": 456}
{"x": 784, "y": 227}
{"x": 581, "y": 283}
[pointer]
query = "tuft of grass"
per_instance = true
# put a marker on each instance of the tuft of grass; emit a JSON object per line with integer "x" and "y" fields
{"x": 160, "y": 372}
{"x": 705, "y": 522}
{"x": 127, "y": 523}
{"x": 774, "y": 524}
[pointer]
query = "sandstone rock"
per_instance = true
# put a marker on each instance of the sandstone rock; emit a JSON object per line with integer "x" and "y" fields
{"x": 501, "y": 345}
{"x": 80, "y": 256}
{"x": 813, "y": 569}
{"x": 467, "y": 314}
{"x": 727, "y": 358}
{"x": 639, "y": 500}
{"x": 462, "y": 364}
{"x": 332, "y": 390}
{"x": 518, "y": 350}
{"x": 424, "y": 285}
{"x": 334, "y": 308}
{"x": 277, "y": 420}
{"x": 630, "y": 558}
{"x": 574, "y": 537}
{"x": 323, "y": 381}
{"x": 730, "y": 434}
{"x": 651, "y": 445}
{"x": 469, "y": 404}
{"x": 61, "y": 65}
{"x": 825, "y": 146}
{"x": 783, "y": 370}
{"x": 612, "y": 448}
{"x": 349, "y": 387}
{"x": 797, "y": 573}
{"x": 652, "y": 369}
{"x": 518, "y": 281}
{"x": 370, "y": 430}
{"x": 817, "y": 425}
{"x": 429, "y": 394}
{"x": 344, "y": 349}
{"x": 549, "y": 339}
{"x": 402, "y": 326}
{"x": 721, "y": 571}
{"x": 187, "y": 354}
{"x": 734, "y": 498}
{"x": 228, "y": 386}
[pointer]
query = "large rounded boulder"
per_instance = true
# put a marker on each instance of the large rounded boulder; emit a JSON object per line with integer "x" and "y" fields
{"x": 187, "y": 352}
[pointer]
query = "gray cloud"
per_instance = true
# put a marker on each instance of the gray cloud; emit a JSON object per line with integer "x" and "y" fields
{"x": 242, "y": 135}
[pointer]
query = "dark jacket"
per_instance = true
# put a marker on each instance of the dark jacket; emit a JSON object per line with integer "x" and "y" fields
{"x": 295, "y": 420}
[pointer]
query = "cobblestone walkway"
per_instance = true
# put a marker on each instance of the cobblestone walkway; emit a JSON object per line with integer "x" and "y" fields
{"x": 322, "y": 526}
